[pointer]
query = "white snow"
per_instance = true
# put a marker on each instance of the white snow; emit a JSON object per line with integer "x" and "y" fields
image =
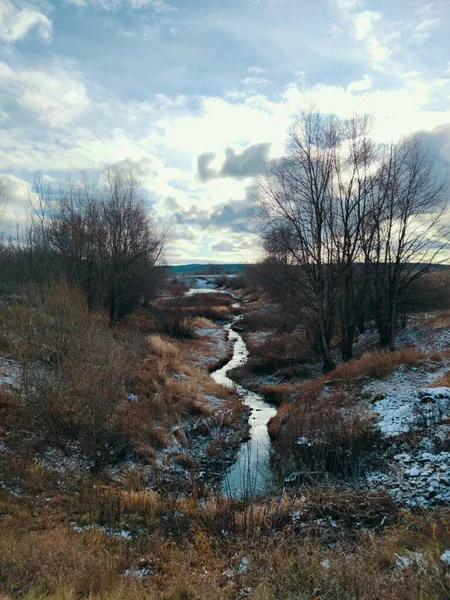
{"x": 411, "y": 559}
{"x": 10, "y": 372}
{"x": 415, "y": 470}
{"x": 445, "y": 558}
{"x": 138, "y": 572}
{"x": 404, "y": 403}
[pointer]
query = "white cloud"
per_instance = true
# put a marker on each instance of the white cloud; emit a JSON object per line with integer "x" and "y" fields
{"x": 424, "y": 28}
{"x": 377, "y": 51}
{"x": 57, "y": 96}
{"x": 428, "y": 24}
{"x": 360, "y": 85}
{"x": 346, "y": 5}
{"x": 363, "y": 23}
{"x": 157, "y": 5}
{"x": 255, "y": 70}
{"x": 16, "y": 22}
{"x": 169, "y": 132}
{"x": 255, "y": 81}
{"x": 425, "y": 9}
{"x": 16, "y": 207}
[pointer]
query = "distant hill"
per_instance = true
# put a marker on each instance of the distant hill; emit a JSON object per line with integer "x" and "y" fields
{"x": 206, "y": 269}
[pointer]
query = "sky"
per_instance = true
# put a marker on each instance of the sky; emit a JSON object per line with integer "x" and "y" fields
{"x": 197, "y": 95}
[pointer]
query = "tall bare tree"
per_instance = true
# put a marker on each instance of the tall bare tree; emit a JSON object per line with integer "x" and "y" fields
{"x": 295, "y": 214}
{"x": 128, "y": 245}
{"x": 409, "y": 231}
{"x": 338, "y": 213}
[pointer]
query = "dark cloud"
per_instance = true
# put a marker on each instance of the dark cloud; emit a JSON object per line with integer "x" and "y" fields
{"x": 171, "y": 204}
{"x": 145, "y": 167}
{"x": 203, "y": 170}
{"x": 248, "y": 163}
{"x": 437, "y": 142}
{"x": 233, "y": 215}
{"x": 223, "y": 246}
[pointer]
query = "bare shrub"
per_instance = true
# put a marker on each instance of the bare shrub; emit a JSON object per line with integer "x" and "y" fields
{"x": 59, "y": 559}
{"x": 377, "y": 364}
{"x": 322, "y": 433}
{"x": 162, "y": 347}
{"x": 74, "y": 370}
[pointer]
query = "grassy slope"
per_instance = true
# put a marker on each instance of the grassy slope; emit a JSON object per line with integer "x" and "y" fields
{"x": 78, "y": 534}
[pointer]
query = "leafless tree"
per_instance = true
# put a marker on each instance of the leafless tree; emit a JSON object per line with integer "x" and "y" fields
{"x": 343, "y": 219}
{"x": 311, "y": 212}
{"x": 409, "y": 232}
{"x": 128, "y": 245}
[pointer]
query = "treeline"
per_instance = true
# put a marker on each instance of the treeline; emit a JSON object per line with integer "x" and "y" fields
{"x": 100, "y": 239}
{"x": 349, "y": 228}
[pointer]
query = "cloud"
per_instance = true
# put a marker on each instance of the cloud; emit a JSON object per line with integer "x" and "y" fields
{"x": 363, "y": 23}
{"x": 248, "y": 163}
{"x": 255, "y": 70}
{"x": 425, "y": 9}
{"x": 203, "y": 170}
{"x": 16, "y": 22}
{"x": 158, "y": 6}
{"x": 361, "y": 85}
{"x": 424, "y": 29}
{"x": 255, "y": 81}
{"x": 232, "y": 215}
{"x": 346, "y": 5}
{"x": 56, "y": 96}
{"x": 15, "y": 192}
{"x": 428, "y": 24}
{"x": 437, "y": 142}
{"x": 377, "y": 51}
{"x": 223, "y": 246}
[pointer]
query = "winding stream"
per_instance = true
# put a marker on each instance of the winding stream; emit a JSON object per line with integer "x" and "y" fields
{"x": 250, "y": 474}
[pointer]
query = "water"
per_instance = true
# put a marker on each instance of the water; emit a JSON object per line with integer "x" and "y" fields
{"x": 250, "y": 474}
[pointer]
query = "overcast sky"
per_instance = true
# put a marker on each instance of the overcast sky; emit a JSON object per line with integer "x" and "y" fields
{"x": 199, "y": 94}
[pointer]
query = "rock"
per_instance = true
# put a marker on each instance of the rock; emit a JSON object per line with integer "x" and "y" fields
{"x": 445, "y": 558}
{"x": 403, "y": 457}
{"x": 414, "y": 472}
{"x": 427, "y": 457}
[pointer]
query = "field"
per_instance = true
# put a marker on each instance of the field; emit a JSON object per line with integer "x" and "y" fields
{"x": 131, "y": 509}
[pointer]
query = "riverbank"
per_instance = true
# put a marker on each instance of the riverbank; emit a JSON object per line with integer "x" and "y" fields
{"x": 72, "y": 532}
{"x": 379, "y": 423}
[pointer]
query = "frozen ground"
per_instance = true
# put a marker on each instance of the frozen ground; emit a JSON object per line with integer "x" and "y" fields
{"x": 10, "y": 373}
{"x": 414, "y": 417}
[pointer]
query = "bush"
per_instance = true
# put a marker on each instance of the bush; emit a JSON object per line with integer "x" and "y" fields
{"x": 377, "y": 364}
{"x": 322, "y": 433}
{"x": 74, "y": 372}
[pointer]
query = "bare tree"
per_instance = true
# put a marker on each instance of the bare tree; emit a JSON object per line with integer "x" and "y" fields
{"x": 128, "y": 245}
{"x": 311, "y": 211}
{"x": 343, "y": 219}
{"x": 352, "y": 191}
{"x": 409, "y": 234}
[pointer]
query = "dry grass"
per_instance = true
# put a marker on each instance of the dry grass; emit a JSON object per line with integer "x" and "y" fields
{"x": 326, "y": 414}
{"x": 439, "y": 319}
{"x": 104, "y": 393}
{"x": 318, "y": 554}
{"x": 277, "y": 394}
{"x": 162, "y": 348}
{"x": 377, "y": 364}
{"x": 60, "y": 559}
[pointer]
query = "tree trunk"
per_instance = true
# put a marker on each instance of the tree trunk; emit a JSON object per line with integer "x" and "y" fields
{"x": 385, "y": 332}
{"x": 348, "y": 334}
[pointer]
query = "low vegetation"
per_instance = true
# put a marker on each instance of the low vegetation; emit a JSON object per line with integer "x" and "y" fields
{"x": 114, "y": 438}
